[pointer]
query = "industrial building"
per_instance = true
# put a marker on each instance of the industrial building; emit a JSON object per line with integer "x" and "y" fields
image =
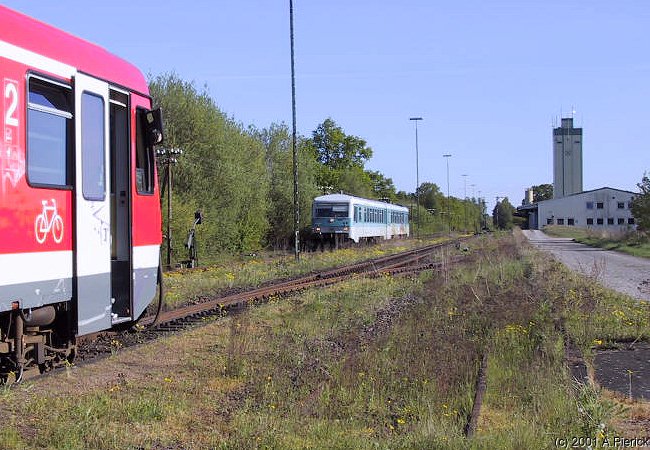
{"x": 567, "y": 159}
{"x": 606, "y": 208}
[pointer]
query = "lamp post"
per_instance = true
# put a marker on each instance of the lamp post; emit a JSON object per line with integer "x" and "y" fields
{"x": 480, "y": 209}
{"x": 417, "y": 178}
{"x": 447, "y": 156}
{"x": 465, "y": 201}
{"x": 168, "y": 157}
{"x": 473, "y": 186}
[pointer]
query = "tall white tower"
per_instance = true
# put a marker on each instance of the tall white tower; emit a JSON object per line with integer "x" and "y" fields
{"x": 567, "y": 159}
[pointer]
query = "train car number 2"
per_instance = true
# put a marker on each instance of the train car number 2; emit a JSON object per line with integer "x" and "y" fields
{"x": 11, "y": 109}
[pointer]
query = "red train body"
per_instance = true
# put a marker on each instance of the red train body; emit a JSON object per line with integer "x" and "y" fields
{"x": 80, "y": 222}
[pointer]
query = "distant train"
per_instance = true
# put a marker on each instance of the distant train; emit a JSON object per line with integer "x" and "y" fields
{"x": 341, "y": 216}
{"x": 80, "y": 222}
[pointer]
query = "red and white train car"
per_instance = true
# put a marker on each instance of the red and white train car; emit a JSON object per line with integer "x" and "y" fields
{"x": 80, "y": 223}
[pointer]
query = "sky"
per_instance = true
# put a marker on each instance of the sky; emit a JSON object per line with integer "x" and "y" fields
{"x": 490, "y": 78}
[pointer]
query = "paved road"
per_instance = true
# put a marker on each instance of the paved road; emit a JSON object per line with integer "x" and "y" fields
{"x": 618, "y": 271}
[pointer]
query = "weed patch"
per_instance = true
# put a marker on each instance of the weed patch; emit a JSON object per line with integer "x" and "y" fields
{"x": 383, "y": 363}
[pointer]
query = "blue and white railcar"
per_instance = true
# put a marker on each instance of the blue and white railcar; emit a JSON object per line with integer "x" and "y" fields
{"x": 358, "y": 218}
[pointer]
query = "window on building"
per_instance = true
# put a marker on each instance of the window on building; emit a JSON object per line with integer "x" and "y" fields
{"x": 590, "y": 205}
{"x": 621, "y": 221}
{"x": 49, "y": 133}
{"x": 599, "y": 221}
{"x": 599, "y": 205}
{"x": 590, "y": 221}
{"x": 571, "y": 222}
{"x": 629, "y": 205}
{"x": 621, "y": 205}
{"x": 630, "y": 221}
{"x": 610, "y": 221}
{"x": 549, "y": 221}
{"x": 560, "y": 221}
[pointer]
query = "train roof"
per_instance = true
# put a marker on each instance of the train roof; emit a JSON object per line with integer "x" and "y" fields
{"x": 38, "y": 37}
{"x": 345, "y": 198}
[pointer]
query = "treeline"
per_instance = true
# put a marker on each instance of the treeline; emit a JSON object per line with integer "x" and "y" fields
{"x": 241, "y": 178}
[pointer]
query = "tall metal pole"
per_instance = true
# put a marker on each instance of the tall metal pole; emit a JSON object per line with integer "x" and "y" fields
{"x": 473, "y": 185}
{"x": 447, "y": 156}
{"x": 296, "y": 209}
{"x": 169, "y": 213}
{"x": 480, "y": 208}
{"x": 465, "y": 201}
{"x": 417, "y": 179}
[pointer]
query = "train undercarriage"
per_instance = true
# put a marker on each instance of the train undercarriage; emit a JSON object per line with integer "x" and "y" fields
{"x": 36, "y": 337}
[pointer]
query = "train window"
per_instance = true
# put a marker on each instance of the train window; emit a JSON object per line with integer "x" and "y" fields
{"x": 325, "y": 210}
{"x": 49, "y": 133}
{"x": 144, "y": 159}
{"x": 92, "y": 147}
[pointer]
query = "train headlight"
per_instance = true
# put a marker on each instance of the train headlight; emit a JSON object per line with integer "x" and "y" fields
{"x": 345, "y": 228}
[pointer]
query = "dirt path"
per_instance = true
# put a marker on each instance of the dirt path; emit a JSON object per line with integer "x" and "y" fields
{"x": 618, "y": 271}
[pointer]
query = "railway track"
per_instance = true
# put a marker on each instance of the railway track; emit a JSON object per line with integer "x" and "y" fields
{"x": 409, "y": 262}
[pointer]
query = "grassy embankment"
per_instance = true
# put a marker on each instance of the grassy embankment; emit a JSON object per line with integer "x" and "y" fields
{"x": 388, "y": 363}
{"x": 251, "y": 271}
{"x": 633, "y": 243}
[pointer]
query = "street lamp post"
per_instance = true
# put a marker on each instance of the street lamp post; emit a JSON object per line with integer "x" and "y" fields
{"x": 473, "y": 186}
{"x": 465, "y": 201}
{"x": 480, "y": 209}
{"x": 417, "y": 178}
{"x": 447, "y": 156}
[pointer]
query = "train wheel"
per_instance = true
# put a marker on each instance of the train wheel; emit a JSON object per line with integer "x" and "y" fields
{"x": 8, "y": 370}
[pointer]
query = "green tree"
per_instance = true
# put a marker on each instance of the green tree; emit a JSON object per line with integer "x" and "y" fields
{"x": 382, "y": 187}
{"x": 222, "y": 170}
{"x": 340, "y": 157}
{"x": 641, "y": 205}
{"x": 542, "y": 192}
{"x": 430, "y": 196}
{"x": 502, "y": 214}
{"x": 354, "y": 181}
{"x": 279, "y": 160}
{"x": 337, "y": 150}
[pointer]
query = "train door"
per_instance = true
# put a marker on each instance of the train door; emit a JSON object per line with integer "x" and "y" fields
{"x": 92, "y": 205}
{"x": 121, "y": 279}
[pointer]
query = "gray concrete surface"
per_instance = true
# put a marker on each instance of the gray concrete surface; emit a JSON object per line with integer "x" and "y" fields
{"x": 624, "y": 273}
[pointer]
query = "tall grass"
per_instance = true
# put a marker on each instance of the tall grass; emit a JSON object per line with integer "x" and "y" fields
{"x": 387, "y": 363}
{"x": 183, "y": 286}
